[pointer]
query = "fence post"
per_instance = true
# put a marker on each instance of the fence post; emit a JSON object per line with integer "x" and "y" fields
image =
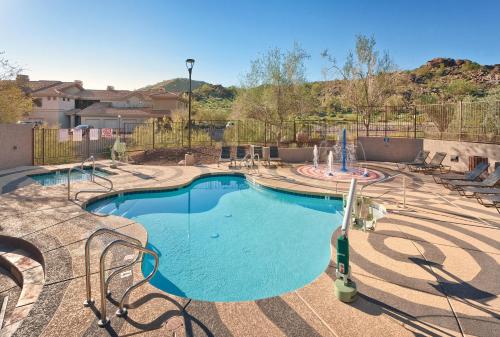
{"x": 265, "y": 133}
{"x": 33, "y": 146}
{"x": 182, "y": 132}
{"x": 294, "y": 132}
{"x": 385, "y": 121}
{"x": 43, "y": 146}
{"x": 153, "y": 133}
{"x": 415, "y": 122}
{"x": 87, "y": 147}
{"x": 442, "y": 115}
{"x": 460, "y": 125}
{"x": 357, "y": 124}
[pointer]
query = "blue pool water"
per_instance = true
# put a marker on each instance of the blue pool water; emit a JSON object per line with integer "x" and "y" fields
{"x": 61, "y": 177}
{"x": 223, "y": 238}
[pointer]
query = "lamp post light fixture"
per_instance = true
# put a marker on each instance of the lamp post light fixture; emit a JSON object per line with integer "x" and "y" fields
{"x": 189, "y": 66}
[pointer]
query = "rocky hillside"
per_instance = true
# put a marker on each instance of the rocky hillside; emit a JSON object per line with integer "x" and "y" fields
{"x": 175, "y": 85}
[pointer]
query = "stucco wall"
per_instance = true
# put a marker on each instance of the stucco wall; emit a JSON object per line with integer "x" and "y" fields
{"x": 392, "y": 150}
{"x": 16, "y": 145}
{"x": 301, "y": 154}
{"x": 464, "y": 150}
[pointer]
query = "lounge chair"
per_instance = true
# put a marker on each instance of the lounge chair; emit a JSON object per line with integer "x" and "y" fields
{"x": 419, "y": 160}
{"x": 436, "y": 163}
{"x": 471, "y": 191}
{"x": 489, "y": 200}
{"x": 225, "y": 155}
{"x": 459, "y": 185}
{"x": 467, "y": 176}
{"x": 274, "y": 155}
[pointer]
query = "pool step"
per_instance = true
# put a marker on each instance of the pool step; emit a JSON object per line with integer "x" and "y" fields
{"x": 28, "y": 273}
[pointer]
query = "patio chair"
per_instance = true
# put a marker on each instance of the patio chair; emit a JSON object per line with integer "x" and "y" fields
{"x": 419, "y": 160}
{"x": 274, "y": 155}
{"x": 225, "y": 156}
{"x": 119, "y": 151}
{"x": 471, "y": 191}
{"x": 459, "y": 185}
{"x": 489, "y": 200}
{"x": 258, "y": 153}
{"x": 241, "y": 154}
{"x": 467, "y": 176}
{"x": 436, "y": 163}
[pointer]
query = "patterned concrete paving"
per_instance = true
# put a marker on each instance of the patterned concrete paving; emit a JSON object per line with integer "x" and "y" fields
{"x": 431, "y": 268}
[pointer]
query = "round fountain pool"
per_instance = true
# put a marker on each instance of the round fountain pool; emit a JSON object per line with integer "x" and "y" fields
{"x": 321, "y": 172}
{"x": 223, "y": 238}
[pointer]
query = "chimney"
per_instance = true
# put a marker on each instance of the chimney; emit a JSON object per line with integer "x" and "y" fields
{"x": 110, "y": 88}
{"x": 22, "y": 80}
{"x": 79, "y": 82}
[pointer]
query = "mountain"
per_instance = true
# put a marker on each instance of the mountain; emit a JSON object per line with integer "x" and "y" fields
{"x": 175, "y": 85}
{"x": 438, "y": 80}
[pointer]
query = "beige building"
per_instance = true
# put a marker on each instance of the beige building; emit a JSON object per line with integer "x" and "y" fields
{"x": 69, "y": 104}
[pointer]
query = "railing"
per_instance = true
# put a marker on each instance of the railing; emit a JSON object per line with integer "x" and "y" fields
{"x": 126, "y": 241}
{"x": 92, "y": 178}
{"x": 348, "y": 208}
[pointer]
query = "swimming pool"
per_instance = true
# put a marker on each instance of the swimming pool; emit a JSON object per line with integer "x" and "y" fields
{"x": 61, "y": 176}
{"x": 222, "y": 238}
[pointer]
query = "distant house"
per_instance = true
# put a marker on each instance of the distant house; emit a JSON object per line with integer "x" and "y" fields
{"x": 69, "y": 104}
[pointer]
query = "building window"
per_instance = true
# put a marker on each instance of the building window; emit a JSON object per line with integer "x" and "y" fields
{"x": 38, "y": 102}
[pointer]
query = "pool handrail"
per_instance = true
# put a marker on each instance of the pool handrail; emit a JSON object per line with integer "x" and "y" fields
{"x": 122, "y": 311}
{"x": 92, "y": 178}
{"x": 88, "y": 301}
{"x": 348, "y": 208}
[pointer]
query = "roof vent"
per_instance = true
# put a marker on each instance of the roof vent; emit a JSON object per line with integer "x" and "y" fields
{"x": 110, "y": 87}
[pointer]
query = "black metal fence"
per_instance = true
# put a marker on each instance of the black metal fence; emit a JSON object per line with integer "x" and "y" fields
{"x": 476, "y": 121}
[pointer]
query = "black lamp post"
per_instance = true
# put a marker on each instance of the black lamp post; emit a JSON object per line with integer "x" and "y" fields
{"x": 189, "y": 66}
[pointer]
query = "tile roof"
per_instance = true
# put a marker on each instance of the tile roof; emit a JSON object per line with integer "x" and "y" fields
{"x": 57, "y": 90}
{"x": 103, "y": 95}
{"x": 39, "y": 85}
{"x": 104, "y": 109}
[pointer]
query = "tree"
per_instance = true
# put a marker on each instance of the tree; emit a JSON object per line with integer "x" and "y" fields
{"x": 14, "y": 103}
{"x": 368, "y": 81}
{"x": 273, "y": 89}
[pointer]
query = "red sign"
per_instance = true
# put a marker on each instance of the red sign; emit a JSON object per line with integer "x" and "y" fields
{"x": 107, "y": 133}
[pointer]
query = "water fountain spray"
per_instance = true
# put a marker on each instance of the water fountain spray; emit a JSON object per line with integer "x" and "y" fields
{"x": 330, "y": 164}
{"x": 315, "y": 157}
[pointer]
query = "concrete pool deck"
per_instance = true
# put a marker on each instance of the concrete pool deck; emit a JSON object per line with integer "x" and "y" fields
{"x": 431, "y": 268}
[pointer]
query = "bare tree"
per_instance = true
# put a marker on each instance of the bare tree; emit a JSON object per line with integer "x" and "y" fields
{"x": 368, "y": 81}
{"x": 273, "y": 89}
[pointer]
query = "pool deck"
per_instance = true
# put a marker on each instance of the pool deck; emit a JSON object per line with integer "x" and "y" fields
{"x": 429, "y": 269}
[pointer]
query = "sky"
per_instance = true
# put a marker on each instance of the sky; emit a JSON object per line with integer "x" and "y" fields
{"x": 130, "y": 44}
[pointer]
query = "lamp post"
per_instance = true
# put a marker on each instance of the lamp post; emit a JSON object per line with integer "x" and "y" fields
{"x": 189, "y": 66}
{"x": 120, "y": 126}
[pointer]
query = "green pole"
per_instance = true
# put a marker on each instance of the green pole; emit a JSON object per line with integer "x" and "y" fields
{"x": 345, "y": 288}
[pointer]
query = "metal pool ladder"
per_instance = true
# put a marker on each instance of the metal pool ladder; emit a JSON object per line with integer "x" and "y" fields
{"x": 92, "y": 178}
{"x": 122, "y": 240}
